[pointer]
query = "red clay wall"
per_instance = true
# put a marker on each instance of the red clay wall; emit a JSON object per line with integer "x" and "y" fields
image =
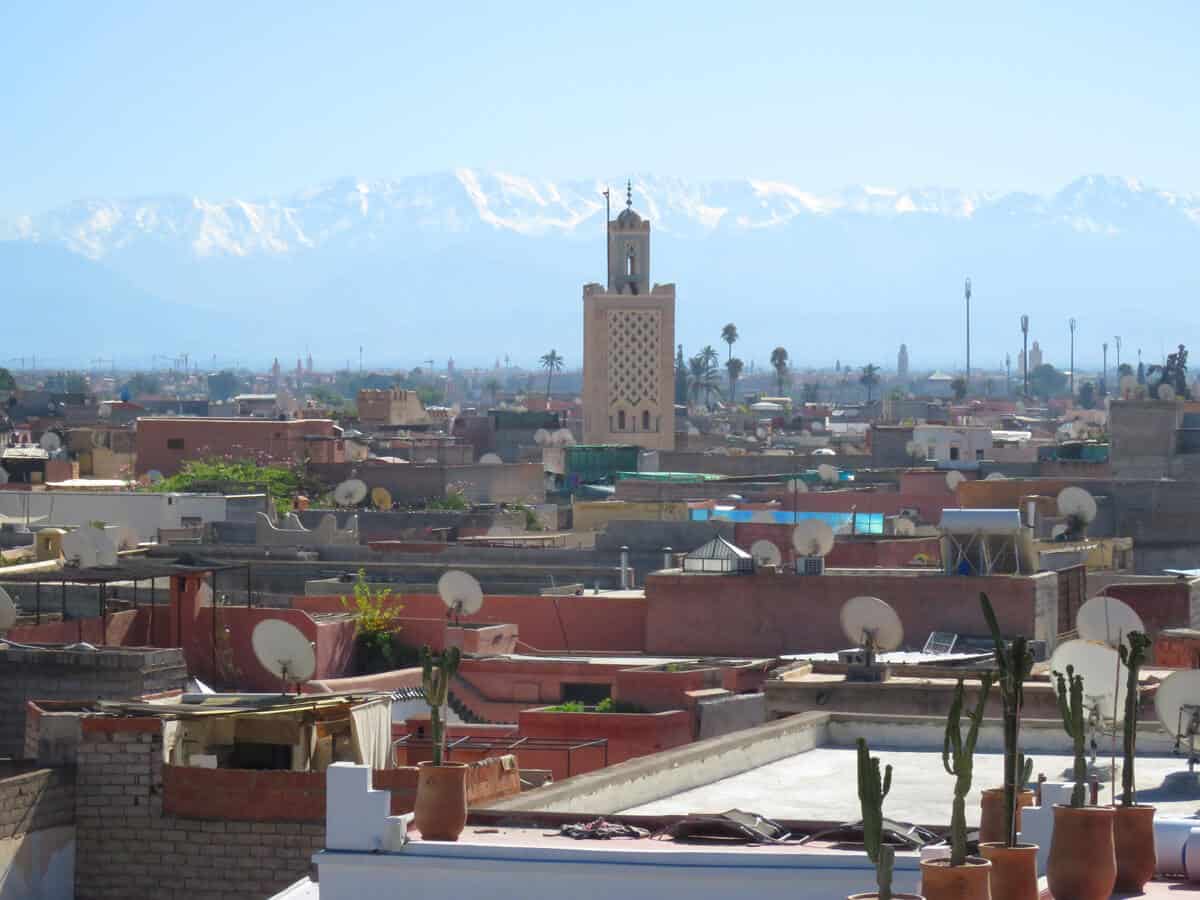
{"x": 1160, "y": 605}
{"x": 241, "y": 438}
{"x": 767, "y": 614}
{"x": 126, "y": 628}
{"x": 657, "y": 690}
{"x": 628, "y": 735}
{"x": 1177, "y": 651}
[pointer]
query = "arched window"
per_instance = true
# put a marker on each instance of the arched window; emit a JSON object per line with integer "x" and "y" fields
{"x": 620, "y": 420}
{"x": 629, "y": 263}
{"x": 645, "y": 420}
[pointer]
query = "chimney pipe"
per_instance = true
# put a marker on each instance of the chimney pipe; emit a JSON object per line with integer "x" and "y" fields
{"x": 624, "y": 568}
{"x": 668, "y": 562}
{"x": 1031, "y": 512}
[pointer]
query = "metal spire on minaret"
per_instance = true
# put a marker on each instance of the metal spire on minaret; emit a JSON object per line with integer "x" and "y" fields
{"x": 629, "y": 194}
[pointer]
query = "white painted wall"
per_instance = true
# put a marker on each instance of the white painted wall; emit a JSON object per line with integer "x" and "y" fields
{"x": 145, "y": 513}
{"x": 941, "y": 438}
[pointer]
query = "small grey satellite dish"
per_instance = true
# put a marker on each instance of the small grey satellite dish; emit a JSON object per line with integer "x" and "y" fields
{"x": 904, "y": 527}
{"x": 1076, "y": 502}
{"x": 350, "y": 492}
{"x": 827, "y": 473}
{"x": 563, "y": 437}
{"x": 812, "y": 537}
{"x": 1177, "y": 703}
{"x": 914, "y": 450}
{"x": 954, "y": 478}
{"x": 50, "y": 442}
{"x": 760, "y": 432}
{"x": 491, "y": 459}
{"x": 8, "y": 611}
{"x": 154, "y": 476}
{"x": 541, "y": 437}
{"x": 997, "y": 476}
{"x": 284, "y": 651}
{"x": 461, "y": 593}
{"x": 870, "y": 622}
{"x": 1107, "y": 620}
{"x": 765, "y": 553}
{"x": 1104, "y": 677}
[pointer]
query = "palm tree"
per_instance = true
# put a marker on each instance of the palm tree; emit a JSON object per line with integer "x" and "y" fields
{"x": 869, "y": 378}
{"x": 552, "y": 363}
{"x": 710, "y": 356}
{"x": 729, "y": 335}
{"x": 779, "y": 362}
{"x": 702, "y": 378}
{"x": 734, "y": 367}
{"x": 492, "y": 388}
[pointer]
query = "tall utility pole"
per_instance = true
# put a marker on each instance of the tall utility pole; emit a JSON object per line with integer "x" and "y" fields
{"x": 1104, "y": 374}
{"x": 967, "y": 294}
{"x": 1007, "y": 374}
{"x": 1025, "y": 355}
{"x": 1071, "y": 323}
{"x": 1117, "y": 339}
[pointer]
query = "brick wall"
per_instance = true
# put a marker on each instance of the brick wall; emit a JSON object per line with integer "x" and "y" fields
{"x": 35, "y": 799}
{"x": 50, "y": 674}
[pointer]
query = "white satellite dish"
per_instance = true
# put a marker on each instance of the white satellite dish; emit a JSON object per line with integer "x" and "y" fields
{"x": 954, "y": 478}
{"x": 914, "y": 450}
{"x": 460, "y": 592}
{"x": 563, "y": 437}
{"x": 154, "y": 476}
{"x": 1076, "y": 502}
{"x": 8, "y": 611}
{"x": 1104, "y": 676}
{"x": 1177, "y": 703}
{"x": 997, "y": 476}
{"x": 1078, "y": 429}
{"x": 350, "y": 492}
{"x": 541, "y": 437}
{"x": 797, "y": 486}
{"x": 1166, "y": 393}
{"x": 765, "y": 553}
{"x": 904, "y": 527}
{"x": 870, "y": 622}
{"x": 760, "y": 432}
{"x": 50, "y": 442}
{"x": 1127, "y": 385}
{"x": 491, "y": 459}
{"x": 827, "y": 473}
{"x": 812, "y": 537}
{"x": 1107, "y": 620}
{"x": 284, "y": 651}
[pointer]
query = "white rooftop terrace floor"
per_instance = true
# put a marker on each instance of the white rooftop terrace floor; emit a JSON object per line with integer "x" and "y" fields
{"x": 821, "y": 784}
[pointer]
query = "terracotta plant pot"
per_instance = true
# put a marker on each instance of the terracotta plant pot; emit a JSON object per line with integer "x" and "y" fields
{"x": 942, "y": 881}
{"x": 1083, "y": 862}
{"x": 1133, "y": 837}
{"x": 441, "y": 808}
{"x": 1014, "y": 870}
{"x": 991, "y": 815}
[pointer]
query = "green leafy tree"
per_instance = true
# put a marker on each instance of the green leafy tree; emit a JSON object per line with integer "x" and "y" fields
{"x": 1087, "y": 395}
{"x": 223, "y": 385}
{"x": 734, "y": 367}
{"x": 282, "y": 481}
{"x": 702, "y": 379}
{"x": 7, "y": 382}
{"x": 869, "y": 378}
{"x": 681, "y": 376}
{"x": 709, "y": 355}
{"x": 1046, "y": 381}
{"x": 552, "y": 363}
{"x": 779, "y": 362}
{"x": 729, "y": 334}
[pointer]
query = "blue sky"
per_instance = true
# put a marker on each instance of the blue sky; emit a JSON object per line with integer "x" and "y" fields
{"x": 253, "y": 99}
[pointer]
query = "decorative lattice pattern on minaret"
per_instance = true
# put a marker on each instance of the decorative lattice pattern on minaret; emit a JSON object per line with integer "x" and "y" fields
{"x": 633, "y": 357}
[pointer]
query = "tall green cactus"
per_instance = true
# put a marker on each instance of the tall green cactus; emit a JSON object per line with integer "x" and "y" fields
{"x": 1133, "y": 655}
{"x": 437, "y": 671}
{"x": 958, "y": 759}
{"x": 872, "y": 789}
{"x": 1070, "y": 706}
{"x": 1014, "y": 663}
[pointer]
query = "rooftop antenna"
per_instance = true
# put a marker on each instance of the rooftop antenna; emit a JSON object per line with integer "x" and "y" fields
{"x": 284, "y": 651}
{"x": 765, "y": 553}
{"x": 871, "y": 625}
{"x": 827, "y": 473}
{"x": 1103, "y": 698}
{"x": 1025, "y": 355}
{"x": 1177, "y": 703}
{"x": 8, "y": 611}
{"x": 350, "y": 492}
{"x": 1107, "y": 620}
{"x": 461, "y": 593}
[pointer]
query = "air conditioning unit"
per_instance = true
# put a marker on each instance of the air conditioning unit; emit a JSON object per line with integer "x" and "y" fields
{"x": 810, "y": 565}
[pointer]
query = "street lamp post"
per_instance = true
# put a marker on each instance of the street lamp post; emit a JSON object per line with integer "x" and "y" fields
{"x": 1071, "y": 323}
{"x": 1025, "y": 356}
{"x": 1117, "y": 341}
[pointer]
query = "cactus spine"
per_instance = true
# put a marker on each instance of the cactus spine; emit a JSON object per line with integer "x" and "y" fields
{"x": 1133, "y": 655}
{"x": 1070, "y": 707}
{"x": 437, "y": 670}
{"x": 872, "y": 789}
{"x": 958, "y": 759}
{"x": 1014, "y": 663}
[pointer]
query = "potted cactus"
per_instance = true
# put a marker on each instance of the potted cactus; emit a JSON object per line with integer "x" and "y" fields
{"x": 961, "y": 877}
{"x": 1083, "y": 863}
{"x": 872, "y": 789}
{"x": 1133, "y": 823}
{"x": 441, "y": 808}
{"x": 1014, "y": 866}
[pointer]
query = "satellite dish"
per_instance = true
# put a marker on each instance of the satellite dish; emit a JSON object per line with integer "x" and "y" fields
{"x": 1177, "y": 703}
{"x": 904, "y": 527}
{"x": 460, "y": 592}
{"x": 8, "y": 611}
{"x": 1107, "y": 620}
{"x": 812, "y": 538}
{"x": 350, "y": 492}
{"x": 50, "y": 442}
{"x": 869, "y": 622}
{"x": 564, "y": 438}
{"x": 760, "y": 432}
{"x": 154, "y": 476}
{"x": 797, "y": 486}
{"x": 541, "y": 437}
{"x": 491, "y": 459}
{"x": 1078, "y": 429}
{"x": 914, "y": 449}
{"x": 1104, "y": 676}
{"x": 284, "y": 651}
{"x": 765, "y": 553}
{"x": 954, "y": 478}
{"x": 1166, "y": 393}
{"x": 827, "y": 473}
{"x": 997, "y": 476}
{"x": 1075, "y": 501}
{"x": 1127, "y": 384}
{"x": 381, "y": 498}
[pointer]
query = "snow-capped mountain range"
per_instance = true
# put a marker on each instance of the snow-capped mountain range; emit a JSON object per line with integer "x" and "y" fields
{"x": 479, "y": 264}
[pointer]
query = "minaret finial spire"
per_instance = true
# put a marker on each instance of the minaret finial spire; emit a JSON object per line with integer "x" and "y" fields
{"x": 629, "y": 194}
